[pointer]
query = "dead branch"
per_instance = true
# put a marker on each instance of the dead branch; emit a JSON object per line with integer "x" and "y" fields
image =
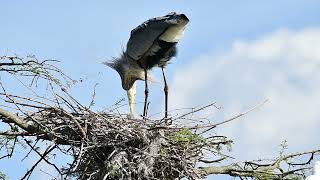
{"x": 271, "y": 170}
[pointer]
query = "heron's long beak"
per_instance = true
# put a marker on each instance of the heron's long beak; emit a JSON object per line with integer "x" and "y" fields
{"x": 131, "y": 95}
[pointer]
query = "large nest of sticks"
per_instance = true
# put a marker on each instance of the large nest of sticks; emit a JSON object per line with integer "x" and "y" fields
{"x": 110, "y": 146}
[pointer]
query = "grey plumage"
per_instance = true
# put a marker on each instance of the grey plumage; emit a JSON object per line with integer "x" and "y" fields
{"x": 151, "y": 44}
{"x": 143, "y": 37}
{"x": 128, "y": 69}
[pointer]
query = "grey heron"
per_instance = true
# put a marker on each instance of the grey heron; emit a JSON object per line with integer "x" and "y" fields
{"x": 151, "y": 44}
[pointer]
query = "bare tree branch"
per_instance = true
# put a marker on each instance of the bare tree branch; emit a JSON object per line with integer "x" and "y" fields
{"x": 11, "y": 118}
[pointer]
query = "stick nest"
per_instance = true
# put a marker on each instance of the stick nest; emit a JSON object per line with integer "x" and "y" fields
{"x": 114, "y": 146}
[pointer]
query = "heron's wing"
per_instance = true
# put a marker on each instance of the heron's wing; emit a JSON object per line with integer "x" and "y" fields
{"x": 143, "y": 36}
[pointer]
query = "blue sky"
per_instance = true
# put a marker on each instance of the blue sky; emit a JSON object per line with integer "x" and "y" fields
{"x": 235, "y": 53}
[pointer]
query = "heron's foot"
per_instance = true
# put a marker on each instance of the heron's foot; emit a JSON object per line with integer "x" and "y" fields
{"x": 144, "y": 118}
{"x": 167, "y": 120}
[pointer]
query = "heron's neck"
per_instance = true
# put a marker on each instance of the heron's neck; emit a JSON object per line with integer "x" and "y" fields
{"x": 131, "y": 95}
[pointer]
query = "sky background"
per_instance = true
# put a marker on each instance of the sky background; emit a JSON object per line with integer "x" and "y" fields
{"x": 234, "y": 53}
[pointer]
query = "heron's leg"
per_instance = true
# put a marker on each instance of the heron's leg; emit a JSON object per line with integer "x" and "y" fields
{"x": 146, "y": 92}
{"x": 166, "y": 89}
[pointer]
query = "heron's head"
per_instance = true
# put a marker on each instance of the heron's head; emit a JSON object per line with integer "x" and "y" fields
{"x": 128, "y": 71}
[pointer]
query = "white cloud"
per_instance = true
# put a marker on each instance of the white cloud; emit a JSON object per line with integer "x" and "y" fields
{"x": 283, "y": 66}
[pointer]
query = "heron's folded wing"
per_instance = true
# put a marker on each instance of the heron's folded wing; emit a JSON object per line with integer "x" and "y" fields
{"x": 142, "y": 37}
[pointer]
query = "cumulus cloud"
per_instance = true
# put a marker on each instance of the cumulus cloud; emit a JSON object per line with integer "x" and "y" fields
{"x": 283, "y": 66}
